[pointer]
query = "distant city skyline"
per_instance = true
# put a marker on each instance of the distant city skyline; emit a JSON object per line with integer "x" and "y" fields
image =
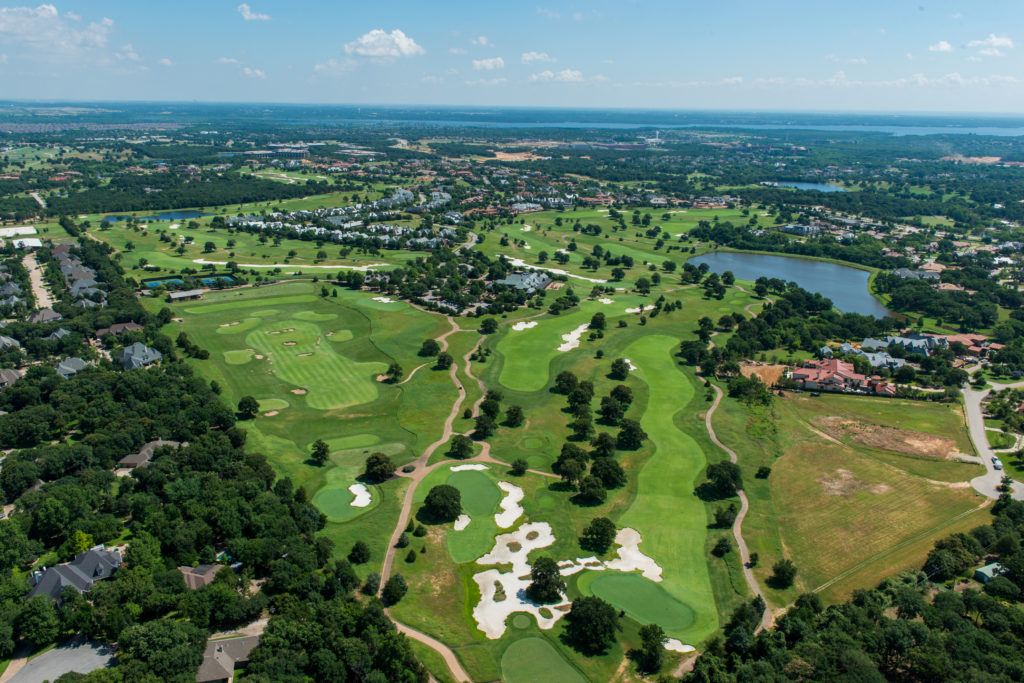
{"x": 660, "y": 54}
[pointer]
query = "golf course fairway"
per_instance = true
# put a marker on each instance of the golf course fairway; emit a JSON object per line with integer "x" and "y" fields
{"x": 666, "y": 511}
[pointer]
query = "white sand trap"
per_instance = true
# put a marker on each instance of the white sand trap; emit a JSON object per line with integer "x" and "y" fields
{"x": 524, "y": 325}
{"x": 570, "y": 567}
{"x": 562, "y": 251}
{"x": 174, "y": 226}
{"x": 258, "y": 357}
{"x": 362, "y": 495}
{"x": 490, "y": 615}
{"x": 511, "y": 510}
{"x": 676, "y": 645}
{"x": 520, "y": 263}
{"x": 526, "y": 228}
{"x": 384, "y": 299}
{"x": 631, "y": 559}
{"x": 629, "y": 364}
{"x": 289, "y": 343}
{"x": 270, "y": 413}
{"x": 469, "y": 466}
{"x": 462, "y": 522}
{"x": 634, "y": 310}
{"x": 527, "y": 246}
{"x": 298, "y": 392}
{"x": 606, "y": 300}
{"x": 572, "y": 339}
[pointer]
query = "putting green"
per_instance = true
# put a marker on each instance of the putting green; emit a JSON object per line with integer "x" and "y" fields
{"x": 352, "y": 441}
{"x": 644, "y": 600}
{"x": 238, "y": 356}
{"x": 521, "y": 620}
{"x": 335, "y": 503}
{"x": 272, "y": 404}
{"x": 534, "y": 660}
{"x": 313, "y": 316}
{"x": 480, "y": 496}
{"x": 242, "y": 326}
{"x": 332, "y": 379}
{"x": 533, "y": 442}
{"x": 341, "y": 336}
{"x": 671, "y": 520}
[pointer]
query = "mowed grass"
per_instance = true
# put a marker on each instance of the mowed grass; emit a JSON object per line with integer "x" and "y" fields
{"x": 642, "y": 599}
{"x": 534, "y": 660}
{"x": 666, "y": 512}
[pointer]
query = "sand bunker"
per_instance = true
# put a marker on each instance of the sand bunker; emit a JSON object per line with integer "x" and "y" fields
{"x": 524, "y": 325}
{"x": 301, "y": 355}
{"x": 298, "y": 392}
{"x": 258, "y": 356}
{"x": 362, "y": 495}
{"x": 606, "y": 300}
{"x": 384, "y": 299}
{"x": 511, "y": 510}
{"x": 490, "y": 613}
{"x": 629, "y": 363}
{"x": 174, "y": 226}
{"x": 289, "y": 343}
{"x": 177, "y": 320}
{"x": 270, "y": 413}
{"x": 676, "y": 645}
{"x": 889, "y": 438}
{"x": 572, "y": 339}
{"x": 630, "y": 557}
{"x": 570, "y": 567}
{"x": 526, "y": 228}
{"x": 231, "y": 324}
{"x": 635, "y": 310}
{"x": 462, "y": 522}
{"x": 468, "y": 466}
{"x": 527, "y": 246}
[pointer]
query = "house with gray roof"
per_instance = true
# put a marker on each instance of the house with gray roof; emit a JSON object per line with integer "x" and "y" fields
{"x": 8, "y": 342}
{"x": 78, "y": 285}
{"x": 531, "y": 281}
{"x": 9, "y": 377}
{"x": 138, "y": 355}
{"x": 69, "y": 367}
{"x": 57, "y": 334}
{"x": 81, "y": 573}
{"x": 11, "y": 301}
{"x": 45, "y": 315}
{"x": 10, "y": 288}
{"x": 221, "y": 656}
{"x": 145, "y": 454}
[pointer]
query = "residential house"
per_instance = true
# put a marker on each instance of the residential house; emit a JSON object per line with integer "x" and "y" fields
{"x": 529, "y": 281}
{"x": 81, "y": 573}
{"x": 989, "y": 572}
{"x": 9, "y": 377}
{"x": 145, "y": 454}
{"x": 57, "y": 334}
{"x": 138, "y": 355}
{"x": 221, "y": 656}
{"x": 45, "y": 315}
{"x": 69, "y": 367}
{"x": 197, "y": 577}
{"x": 839, "y": 376}
{"x": 908, "y": 274}
{"x": 117, "y": 329}
{"x": 186, "y": 295}
{"x": 9, "y": 343}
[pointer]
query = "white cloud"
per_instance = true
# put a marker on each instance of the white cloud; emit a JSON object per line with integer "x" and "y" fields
{"x": 563, "y": 76}
{"x": 481, "y": 41}
{"x": 531, "y": 57}
{"x": 228, "y": 60}
{"x": 333, "y": 67}
{"x": 941, "y": 46}
{"x": 46, "y": 35}
{"x": 973, "y": 58}
{"x": 128, "y": 54}
{"x": 990, "y": 52}
{"x": 489, "y": 64}
{"x": 383, "y": 45}
{"x": 549, "y": 13}
{"x": 456, "y": 50}
{"x": 993, "y": 41}
{"x": 487, "y": 81}
{"x": 164, "y": 61}
{"x": 243, "y": 69}
{"x": 3, "y": 59}
{"x": 249, "y": 15}
{"x": 910, "y": 56}
{"x": 734, "y": 80}
{"x": 253, "y": 73}
{"x": 431, "y": 80}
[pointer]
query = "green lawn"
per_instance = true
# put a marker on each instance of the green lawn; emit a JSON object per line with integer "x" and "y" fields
{"x": 534, "y": 660}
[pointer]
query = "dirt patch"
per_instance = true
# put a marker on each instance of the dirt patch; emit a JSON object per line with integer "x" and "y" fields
{"x": 844, "y": 483}
{"x": 382, "y": 378}
{"x": 499, "y": 592}
{"x": 768, "y": 373}
{"x": 298, "y": 392}
{"x": 889, "y": 438}
{"x": 532, "y": 536}
{"x": 515, "y": 547}
{"x": 289, "y": 343}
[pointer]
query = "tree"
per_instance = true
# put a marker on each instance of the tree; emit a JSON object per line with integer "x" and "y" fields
{"x": 37, "y": 621}
{"x": 485, "y": 427}
{"x": 726, "y": 322}
{"x": 783, "y": 574}
{"x": 490, "y": 407}
{"x": 360, "y": 553}
{"x": 248, "y": 407}
{"x": 162, "y": 649}
{"x": 514, "y": 416}
{"x": 321, "y": 452}
{"x": 620, "y": 369}
{"x": 592, "y": 490}
{"x": 763, "y": 472}
{"x": 546, "y": 585}
{"x": 643, "y": 285}
{"x": 622, "y": 394}
{"x": 722, "y": 546}
{"x": 379, "y": 467}
{"x": 488, "y": 326}
{"x": 725, "y": 516}
{"x": 394, "y": 590}
{"x": 565, "y": 383}
{"x": 518, "y": 468}
{"x": 611, "y": 410}
{"x": 394, "y": 373}
{"x": 443, "y": 503}
{"x": 650, "y": 656}
{"x": 631, "y": 436}
{"x": 725, "y": 478}
{"x": 430, "y": 348}
{"x": 597, "y": 322}
{"x": 609, "y": 471}
{"x": 591, "y": 625}
{"x": 444, "y": 361}
{"x": 460, "y": 448}
{"x": 571, "y": 471}
{"x": 598, "y": 536}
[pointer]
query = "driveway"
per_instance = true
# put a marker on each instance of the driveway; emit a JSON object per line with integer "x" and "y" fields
{"x": 986, "y": 484}
{"x": 80, "y": 656}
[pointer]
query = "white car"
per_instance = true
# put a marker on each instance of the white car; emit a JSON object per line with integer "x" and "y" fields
{"x": 997, "y": 465}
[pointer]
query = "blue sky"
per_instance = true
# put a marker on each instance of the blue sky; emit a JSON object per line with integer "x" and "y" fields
{"x": 876, "y": 55}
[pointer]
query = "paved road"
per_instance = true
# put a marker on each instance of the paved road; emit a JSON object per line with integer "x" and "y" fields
{"x": 986, "y": 484}
{"x": 79, "y": 656}
{"x": 35, "y": 274}
{"x": 39, "y": 200}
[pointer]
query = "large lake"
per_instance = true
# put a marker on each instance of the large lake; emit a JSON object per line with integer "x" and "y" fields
{"x": 163, "y": 216}
{"x": 846, "y": 287}
{"x": 820, "y": 187}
